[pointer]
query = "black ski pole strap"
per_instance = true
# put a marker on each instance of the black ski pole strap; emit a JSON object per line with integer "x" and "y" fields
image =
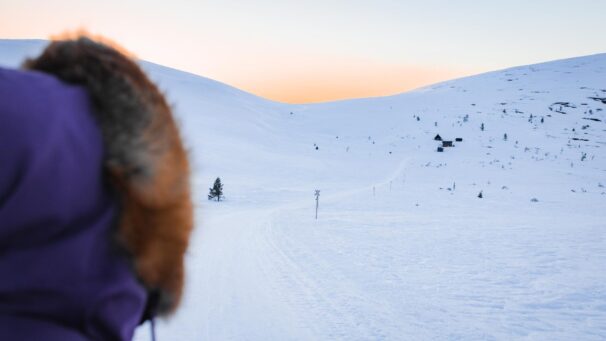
{"x": 152, "y": 325}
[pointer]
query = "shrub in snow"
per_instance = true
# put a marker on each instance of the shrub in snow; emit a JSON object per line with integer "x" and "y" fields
{"x": 534, "y": 200}
{"x": 216, "y": 191}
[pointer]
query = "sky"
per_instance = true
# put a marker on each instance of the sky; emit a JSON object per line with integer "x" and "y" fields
{"x": 320, "y": 50}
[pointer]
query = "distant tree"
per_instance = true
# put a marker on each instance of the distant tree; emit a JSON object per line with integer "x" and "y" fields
{"x": 482, "y": 127}
{"x": 480, "y": 195}
{"x": 505, "y": 137}
{"x": 216, "y": 191}
{"x": 418, "y": 119}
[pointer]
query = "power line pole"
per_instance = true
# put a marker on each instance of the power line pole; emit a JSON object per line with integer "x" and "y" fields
{"x": 317, "y": 194}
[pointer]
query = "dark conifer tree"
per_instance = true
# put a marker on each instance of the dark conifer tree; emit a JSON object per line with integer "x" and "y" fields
{"x": 216, "y": 191}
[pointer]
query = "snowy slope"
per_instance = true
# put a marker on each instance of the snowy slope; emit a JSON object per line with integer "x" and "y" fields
{"x": 403, "y": 248}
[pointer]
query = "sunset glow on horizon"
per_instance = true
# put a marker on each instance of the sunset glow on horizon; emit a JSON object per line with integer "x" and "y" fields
{"x": 313, "y": 51}
{"x": 334, "y": 82}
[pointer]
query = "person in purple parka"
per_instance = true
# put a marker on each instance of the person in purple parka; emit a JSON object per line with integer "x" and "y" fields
{"x": 95, "y": 208}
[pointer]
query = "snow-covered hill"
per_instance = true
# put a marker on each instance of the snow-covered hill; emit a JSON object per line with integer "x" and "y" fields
{"x": 403, "y": 248}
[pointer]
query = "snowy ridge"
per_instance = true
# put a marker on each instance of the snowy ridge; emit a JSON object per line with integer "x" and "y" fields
{"x": 403, "y": 247}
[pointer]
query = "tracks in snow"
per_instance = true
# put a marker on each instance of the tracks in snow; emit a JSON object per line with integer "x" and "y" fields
{"x": 323, "y": 302}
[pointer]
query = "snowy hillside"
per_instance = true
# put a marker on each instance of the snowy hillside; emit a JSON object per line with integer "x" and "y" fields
{"x": 403, "y": 247}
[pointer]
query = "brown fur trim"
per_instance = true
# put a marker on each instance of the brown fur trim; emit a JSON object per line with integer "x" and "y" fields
{"x": 144, "y": 157}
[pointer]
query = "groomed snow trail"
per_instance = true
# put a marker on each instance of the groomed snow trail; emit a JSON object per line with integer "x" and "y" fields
{"x": 255, "y": 283}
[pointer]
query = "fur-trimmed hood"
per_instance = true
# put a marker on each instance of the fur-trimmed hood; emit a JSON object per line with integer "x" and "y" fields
{"x": 93, "y": 125}
{"x": 145, "y": 159}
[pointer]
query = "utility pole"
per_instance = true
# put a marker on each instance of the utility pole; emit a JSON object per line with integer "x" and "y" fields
{"x": 317, "y": 201}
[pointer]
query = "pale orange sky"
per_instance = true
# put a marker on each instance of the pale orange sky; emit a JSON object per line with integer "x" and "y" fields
{"x": 313, "y": 50}
{"x": 339, "y": 80}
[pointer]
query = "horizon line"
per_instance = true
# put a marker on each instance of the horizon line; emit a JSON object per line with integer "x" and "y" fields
{"x": 338, "y": 98}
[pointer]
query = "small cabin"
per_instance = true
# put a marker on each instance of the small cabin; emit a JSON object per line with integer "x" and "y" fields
{"x": 459, "y": 139}
{"x": 440, "y": 149}
{"x": 447, "y": 144}
{"x": 438, "y": 138}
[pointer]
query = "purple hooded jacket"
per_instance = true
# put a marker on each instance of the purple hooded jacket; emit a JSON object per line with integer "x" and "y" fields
{"x": 61, "y": 276}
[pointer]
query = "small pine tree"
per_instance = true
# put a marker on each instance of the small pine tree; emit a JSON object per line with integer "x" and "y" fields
{"x": 482, "y": 127}
{"x": 216, "y": 191}
{"x": 505, "y": 137}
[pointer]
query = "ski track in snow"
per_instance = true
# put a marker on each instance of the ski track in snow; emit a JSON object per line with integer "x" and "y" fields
{"x": 333, "y": 310}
